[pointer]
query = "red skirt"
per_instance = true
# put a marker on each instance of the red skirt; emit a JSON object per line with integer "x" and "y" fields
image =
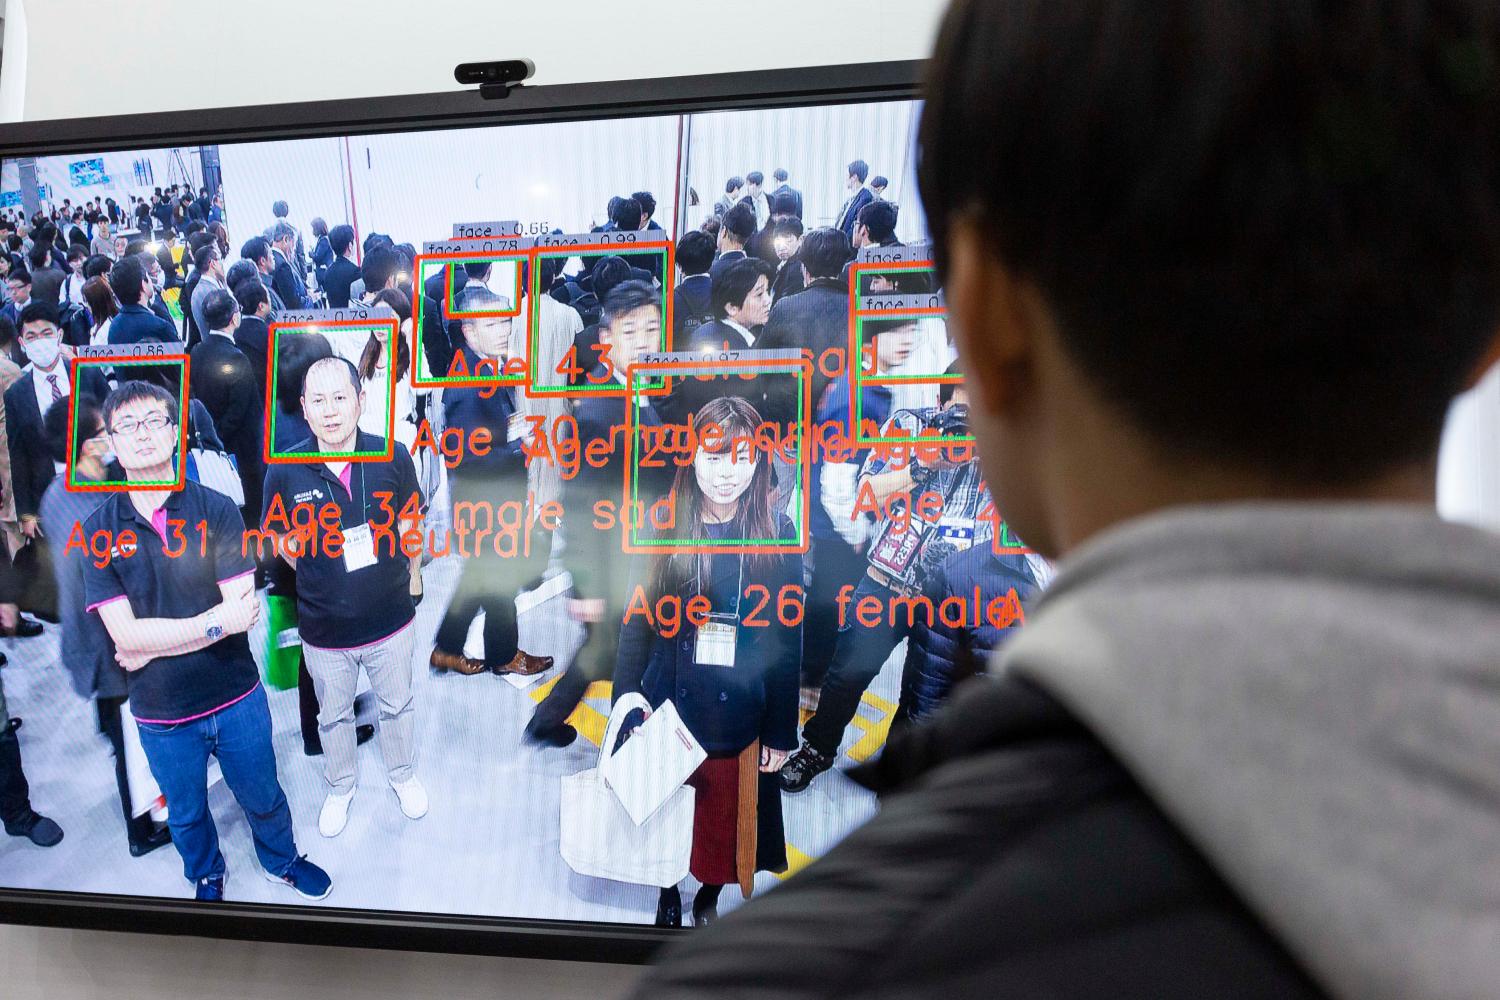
{"x": 716, "y": 806}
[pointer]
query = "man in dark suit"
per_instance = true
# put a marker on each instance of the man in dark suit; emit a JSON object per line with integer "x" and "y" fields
{"x": 343, "y": 271}
{"x": 631, "y": 325}
{"x": 763, "y": 243}
{"x": 859, "y": 197}
{"x": 44, "y": 382}
{"x": 741, "y": 300}
{"x": 136, "y": 323}
{"x": 647, "y": 201}
{"x": 258, "y": 252}
{"x": 224, "y": 382}
{"x": 286, "y": 279}
{"x": 817, "y": 317}
{"x": 736, "y": 229}
{"x": 692, "y": 302}
{"x": 253, "y": 335}
{"x": 782, "y": 187}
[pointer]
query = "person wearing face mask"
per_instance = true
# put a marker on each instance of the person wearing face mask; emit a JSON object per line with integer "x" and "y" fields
{"x": 489, "y": 472}
{"x": 355, "y": 605}
{"x": 43, "y": 382}
{"x": 84, "y": 644}
{"x": 734, "y": 684}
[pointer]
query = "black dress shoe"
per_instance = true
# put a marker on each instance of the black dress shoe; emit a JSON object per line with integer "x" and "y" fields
{"x": 669, "y": 908}
{"x": 559, "y": 736}
{"x": 142, "y": 846}
{"x": 363, "y": 733}
{"x": 25, "y": 628}
{"x": 38, "y": 829}
{"x": 3, "y": 660}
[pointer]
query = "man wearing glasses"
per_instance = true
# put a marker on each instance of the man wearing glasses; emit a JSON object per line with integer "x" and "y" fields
{"x": 177, "y": 598}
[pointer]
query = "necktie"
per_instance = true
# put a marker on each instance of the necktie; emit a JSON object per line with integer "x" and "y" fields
{"x": 56, "y": 391}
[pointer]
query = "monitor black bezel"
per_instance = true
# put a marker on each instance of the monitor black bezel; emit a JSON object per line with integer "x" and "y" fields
{"x": 583, "y": 941}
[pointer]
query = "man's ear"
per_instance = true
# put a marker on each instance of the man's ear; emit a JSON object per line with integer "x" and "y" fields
{"x": 994, "y": 316}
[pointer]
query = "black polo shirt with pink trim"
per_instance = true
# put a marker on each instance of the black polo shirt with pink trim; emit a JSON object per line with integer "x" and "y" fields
{"x": 174, "y": 572}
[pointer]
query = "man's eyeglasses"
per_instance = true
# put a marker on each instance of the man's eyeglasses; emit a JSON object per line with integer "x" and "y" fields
{"x": 130, "y": 425}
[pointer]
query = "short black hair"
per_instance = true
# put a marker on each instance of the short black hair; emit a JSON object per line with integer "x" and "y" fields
{"x": 295, "y": 354}
{"x": 255, "y": 248}
{"x": 219, "y": 309}
{"x": 35, "y": 312}
{"x": 78, "y": 251}
{"x": 56, "y": 428}
{"x": 1270, "y": 240}
{"x": 695, "y": 252}
{"x": 627, "y": 297}
{"x": 947, "y": 389}
{"x": 626, "y": 215}
{"x": 125, "y": 279}
{"x": 739, "y": 222}
{"x": 340, "y": 238}
{"x": 250, "y": 295}
{"x": 733, "y": 184}
{"x": 860, "y": 169}
{"x": 647, "y": 202}
{"x": 19, "y": 275}
{"x": 134, "y": 391}
{"x": 376, "y": 269}
{"x": 609, "y": 272}
{"x": 734, "y": 282}
{"x": 279, "y": 209}
{"x": 879, "y": 217}
{"x": 96, "y": 265}
{"x": 784, "y": 203}
{"x": 789, "y": 227}
{"x": 824, "y": 252}
{"x": 478, "y": 268}
{"x": 242, "y": 272}
{"x": 205, "y": 256}
{"x": 879, "y": 182}
{"x": 780, "y": 174}
{"x": 755, "y": 177}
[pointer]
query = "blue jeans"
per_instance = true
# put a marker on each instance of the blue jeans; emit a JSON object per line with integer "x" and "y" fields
{"x": 240, "y": 736}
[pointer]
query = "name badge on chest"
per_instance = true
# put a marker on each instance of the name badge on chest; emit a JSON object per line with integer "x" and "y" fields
{"x": 958, "y": 531}
{"x": 359, "y": 548}
{"x": 714, "y": 646}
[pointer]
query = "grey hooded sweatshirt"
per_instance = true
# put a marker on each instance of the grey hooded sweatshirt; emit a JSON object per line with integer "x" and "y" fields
{"x": 1297, "y": 791}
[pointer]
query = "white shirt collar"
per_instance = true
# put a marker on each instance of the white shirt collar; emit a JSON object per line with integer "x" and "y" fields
{"x": 749, "y": 337}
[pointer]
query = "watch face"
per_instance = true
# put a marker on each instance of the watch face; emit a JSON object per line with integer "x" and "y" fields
{"x": 216, "y": 632}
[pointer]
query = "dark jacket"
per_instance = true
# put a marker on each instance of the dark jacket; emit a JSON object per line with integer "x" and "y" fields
{"x": 136, "y": 324}
{"x": 288, "y": 283}
{"x": 850, "y": 212}
{"x": 816, "y": 318}
{"x": 502, "y": 469}
{"x": 322, "y": 258}
{"x": 940, "y": 655}
{"x": 1031, "y": 865}
{"x": 691, "y": 306}
{"x": 252, "y": 338}
{"x": 788, "y": 189}
{"x": 223, "y": 380}
{"x": 336, "y": 281}
{"x": 690, "y": 394}
{"x": 723, "y": 261}
{"x": 31, "y": 467}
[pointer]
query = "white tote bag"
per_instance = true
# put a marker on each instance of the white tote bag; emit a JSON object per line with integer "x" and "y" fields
{"x": 598, "y": 837}
{"x": 217, "y": 471}
{"x": 653, "y": 764}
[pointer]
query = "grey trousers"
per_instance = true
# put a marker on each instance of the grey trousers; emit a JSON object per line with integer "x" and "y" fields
{"x": 335, "y": 673}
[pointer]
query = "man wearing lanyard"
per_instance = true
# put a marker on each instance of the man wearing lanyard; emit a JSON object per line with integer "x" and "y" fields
{"x": 899, "y": 555}
{"x": 177, "y": 596}
{"x": 356, "y": 587}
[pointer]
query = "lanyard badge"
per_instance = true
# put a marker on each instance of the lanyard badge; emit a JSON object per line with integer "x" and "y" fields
{"x": 717, "y": 637}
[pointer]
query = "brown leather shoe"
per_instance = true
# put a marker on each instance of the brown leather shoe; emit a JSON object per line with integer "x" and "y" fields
{"x": 525, "y": 664}
{"x": 456, "y": 663}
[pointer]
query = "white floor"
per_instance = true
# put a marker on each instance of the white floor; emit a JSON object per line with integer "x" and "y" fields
{"x": 489, "y": 845}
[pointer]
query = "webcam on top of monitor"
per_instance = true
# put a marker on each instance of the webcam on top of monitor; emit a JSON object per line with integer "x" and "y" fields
{"x": 495, "y": 79}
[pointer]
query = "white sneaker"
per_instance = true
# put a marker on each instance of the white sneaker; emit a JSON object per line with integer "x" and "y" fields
{"x": 413, "y": 797}
{"x": 335, "y": 814}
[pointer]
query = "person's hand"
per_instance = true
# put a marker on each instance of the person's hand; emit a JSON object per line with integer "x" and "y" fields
{"x": 131, "y": 661}
{"x": 31, "y": 527}
{"x": 771, "y": 760}
{"x": 240, "y": 614}
{"x": 589, "y": 609}
{"x": 10, "y": 616}
{"x": 67, "y": 352}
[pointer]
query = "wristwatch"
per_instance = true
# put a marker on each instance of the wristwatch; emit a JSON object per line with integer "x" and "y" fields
{"x": 214, "y": 632}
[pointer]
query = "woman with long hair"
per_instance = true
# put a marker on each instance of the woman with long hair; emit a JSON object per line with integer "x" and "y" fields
{"x": 374, "y": 371}
{"x": 221, "y": 237}
{"x": 102, "y": 306}
{"x": 733, "y": 680}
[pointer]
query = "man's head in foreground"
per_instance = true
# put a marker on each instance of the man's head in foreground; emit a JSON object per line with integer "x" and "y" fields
{"x": 1217, "y": 262}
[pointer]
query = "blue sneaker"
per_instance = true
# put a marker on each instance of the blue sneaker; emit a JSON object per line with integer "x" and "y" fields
{"x": 305, "y": 878}
{"x": 211, "y": 889}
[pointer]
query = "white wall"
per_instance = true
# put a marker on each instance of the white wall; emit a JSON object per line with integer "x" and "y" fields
{"x": 325, "y": 52}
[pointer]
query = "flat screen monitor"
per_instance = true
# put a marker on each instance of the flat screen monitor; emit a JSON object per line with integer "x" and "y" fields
{"x": 451, "y": 524}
